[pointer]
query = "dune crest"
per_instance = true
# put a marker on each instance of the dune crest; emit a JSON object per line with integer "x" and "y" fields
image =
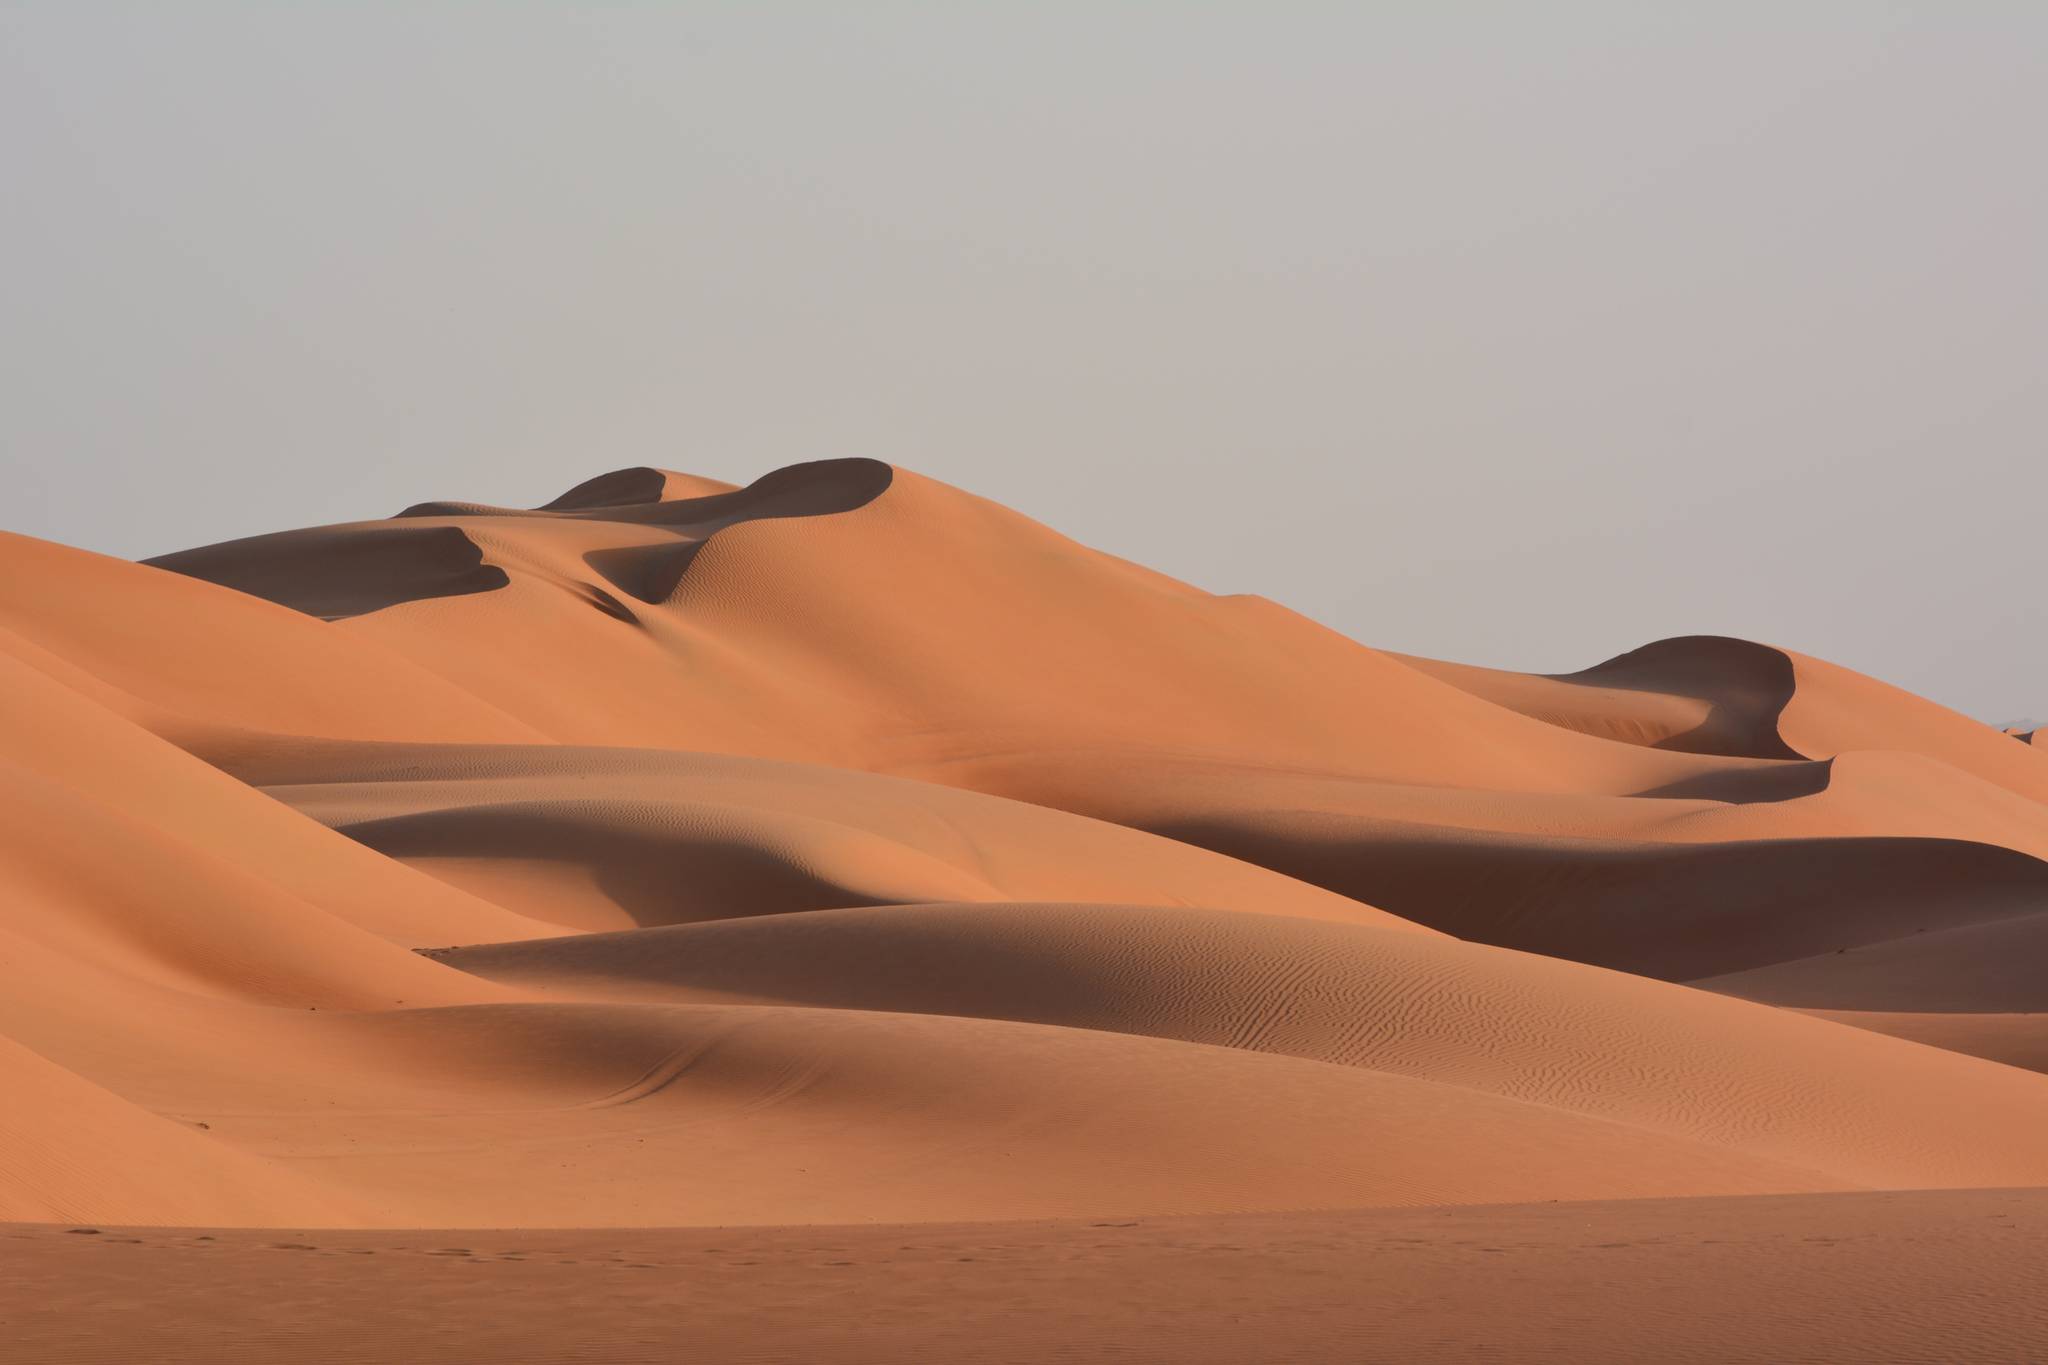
{"x": 1697, "y": 694}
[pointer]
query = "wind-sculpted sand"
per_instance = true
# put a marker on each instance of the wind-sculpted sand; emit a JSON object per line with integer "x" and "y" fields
{"x": 846, "y": 850}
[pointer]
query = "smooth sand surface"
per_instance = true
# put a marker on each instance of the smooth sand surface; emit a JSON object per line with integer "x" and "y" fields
{"x": 845, "y": 851}
{"x": 1945, "y": 1276}
{"x": 1767, "y": 1083}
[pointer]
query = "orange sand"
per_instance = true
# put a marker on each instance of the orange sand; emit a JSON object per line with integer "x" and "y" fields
{"x": 1949, "y": 1276}
{"x": 847, "y": 849}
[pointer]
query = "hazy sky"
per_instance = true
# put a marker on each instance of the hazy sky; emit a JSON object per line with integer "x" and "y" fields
{"x": 1513, "y": 333}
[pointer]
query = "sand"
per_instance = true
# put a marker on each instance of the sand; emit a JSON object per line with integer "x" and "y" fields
{"x": 1911, "y": 1277}
{"x": 846, "y": 861}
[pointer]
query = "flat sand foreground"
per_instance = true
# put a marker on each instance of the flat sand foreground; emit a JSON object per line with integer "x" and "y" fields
{"x": 1896, "y": 1276}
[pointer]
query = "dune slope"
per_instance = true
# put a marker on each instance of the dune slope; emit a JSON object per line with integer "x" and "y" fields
{"x": 1762, "y": 1082}
{"x": 845, "y": 848}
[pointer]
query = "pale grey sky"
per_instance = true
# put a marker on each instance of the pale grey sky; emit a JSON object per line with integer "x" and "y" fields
{"x": 1512, "y": 333}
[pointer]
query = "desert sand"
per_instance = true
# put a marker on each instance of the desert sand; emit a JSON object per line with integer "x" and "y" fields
{"x": 1947, "y": 1276}
{"x": 743, "y": 918}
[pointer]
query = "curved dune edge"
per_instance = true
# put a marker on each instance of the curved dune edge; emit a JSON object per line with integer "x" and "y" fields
{"x": 1848, "y": 852}
{"x": 634, "y": 487}
{"x": 1834, "y": 709}
{"x": 450, "y": 549}
{"x": 1718, "y": 695}
{"x": 611, "y": 838}
{"x": 788, "y": 623}
{"x": 1763, "y": 1083}
{"x": 821, "y": 1116}
{"x": 1701, "y": 694}
{"x": 805, "y": 612}
{"x": 1676, "y": 912}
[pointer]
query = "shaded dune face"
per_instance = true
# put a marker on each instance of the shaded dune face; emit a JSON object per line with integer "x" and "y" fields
{"x": 847, "y": 848}
{"x": 634, "y": 487}
{"x": 350, "y": 572}
{"x": 1699, "y": 694}
{"x": 1714, "y": 695}
{"x": 439, "y": 549}
{"x": 1981, "y": 968}
{"x": 1669, "y": 910}
{"x": 613, "y": 838}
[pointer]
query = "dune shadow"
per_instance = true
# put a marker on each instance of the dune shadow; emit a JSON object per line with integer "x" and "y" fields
{"x": 654, "y": 875}
{"x": 337, "y": 572}
{"x": 1787, "y": 781}
{"x": 341, "y": 572}
{"x": 1672, "y": 911}
{"x": 1745, "y": 685}
{"x": 619, "y": 488}
{"x": 649, "y": 573}
{"x": 652, "y": 573}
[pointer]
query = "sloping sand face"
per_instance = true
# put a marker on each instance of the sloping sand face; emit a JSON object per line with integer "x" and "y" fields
{"x": 845, "y": 849}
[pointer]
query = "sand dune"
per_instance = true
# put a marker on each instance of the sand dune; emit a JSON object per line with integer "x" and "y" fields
{"x": 655, "y": 1115}
{"x": 1675, "y": 911}
{"x": 1697, "y": 694}
{"x": 1762, "y": 1082}
{"x": 187, "y": 660}
{"x": 779, "y": 611}
{"x": 1705, "y": 694}
{"x": 844, "y": 848}
{"x": 70, "y": 1151}
{"x": 782, "y": 611}
{"x": 1834, "y": 710}
{"x": 608, "y": 838}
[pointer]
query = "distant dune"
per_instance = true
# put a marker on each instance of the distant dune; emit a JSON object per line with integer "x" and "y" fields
{"x": 847, "y": 849}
